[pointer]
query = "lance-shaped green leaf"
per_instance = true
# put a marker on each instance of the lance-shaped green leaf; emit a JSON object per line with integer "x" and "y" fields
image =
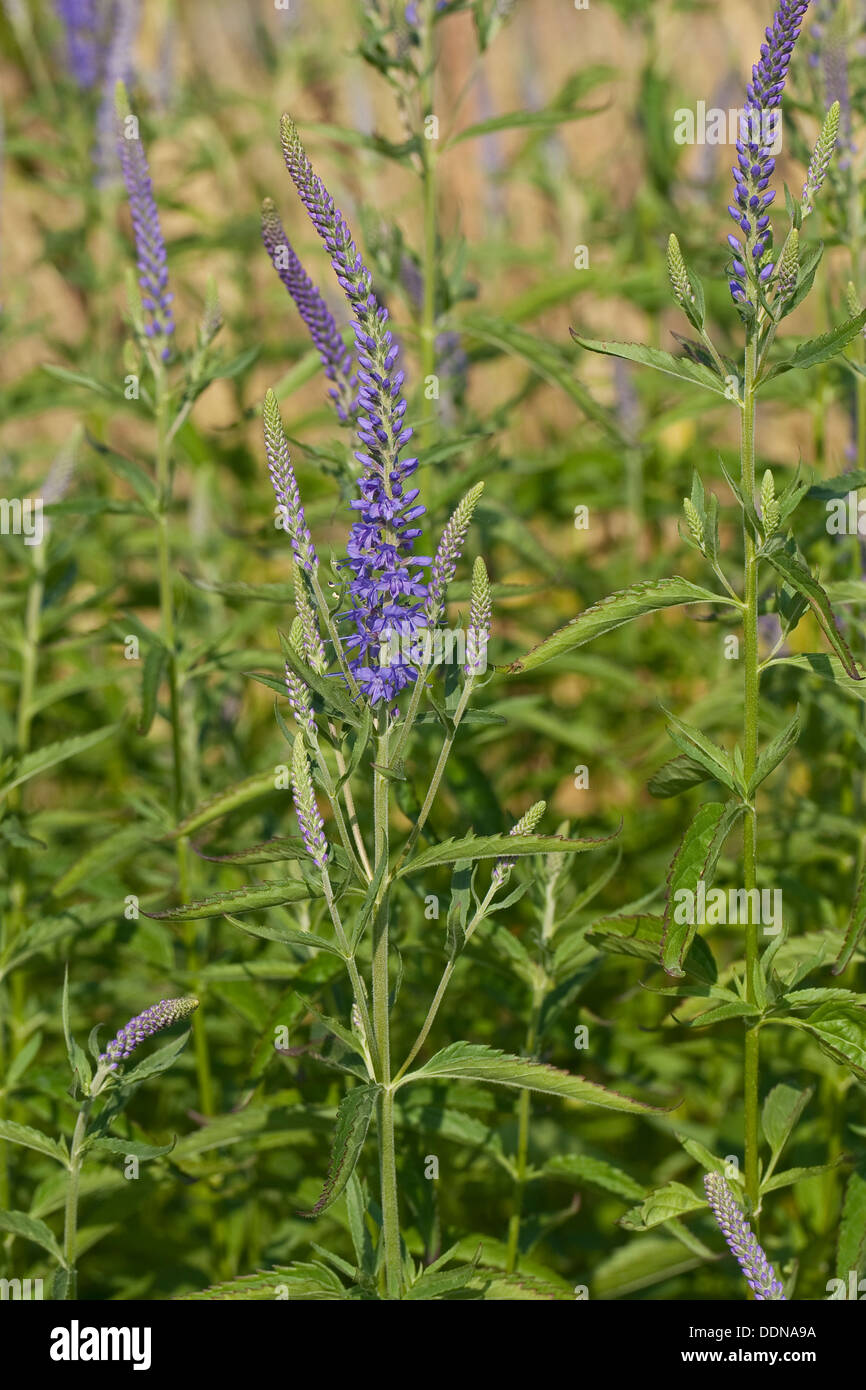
{"x": 642, "y": 935}
{"x": 697, "y": 745}
{"x": 289, "y": 936}
{"x": 693, "y": 865}
{"x": 353, "y": 1121}
{"x": 18, "y": 1223}
{"x": 814, "y": 350}
{"x": 665, "y": 1204}
{"x": 585, "y": 1171}
{"x": 775, "y": 753}
{"x": 154, "y": 664}
{"x": 250, "y": 899}
{"x": 472, "y": 847}
{"x": 128, "y": 1148}
{"x": 157, "y": 1062}
{"x": 33, "y": 1139}
{"x": 52, "y": 754}
{"x": 612, "y": 612}
{"x": 840, "y": 1032}
{"x": 684, "y": 368}
{"x": 788, "y": 564}
{"x": 676, "y": 777}
{"x": 279, "y": 850}
{"x": 856, "y": 927}
{"x": 851, "y": 1246}
{"x": 546, "y": 360}
{"x": 260, "y": 784}
{"x": 782, "y": 1109}
{"x": 329, "y": 690}
{"x": 464, "y": 1061}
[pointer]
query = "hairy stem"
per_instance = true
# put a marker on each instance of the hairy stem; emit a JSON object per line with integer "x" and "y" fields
{"x": 750, "y": 757}
{"x": 381, "y": 1023}
{"x": 70, "y": 1225}
{"x": 168, "y": 632}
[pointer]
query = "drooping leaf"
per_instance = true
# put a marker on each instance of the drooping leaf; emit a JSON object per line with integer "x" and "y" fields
{"x": 642, "y": 935}
{"x": 353, "y": 1121}
{"x": 250, "y": 899}
{"x": 18, "y": 1223}
{"x": 693, "y": 864}
{"x": 34, "y": 1139}
{"x": 794, "y": 572}
{"x": 684, "y": 368}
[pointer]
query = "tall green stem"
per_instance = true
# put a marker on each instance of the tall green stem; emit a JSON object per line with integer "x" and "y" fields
{"x": 523, "y": 1117}
{"x": 750, "y": 758}
{"x": 167, "y": 614}
{"x": 381, "y": 1024}
{"x": 70, "y": 1227}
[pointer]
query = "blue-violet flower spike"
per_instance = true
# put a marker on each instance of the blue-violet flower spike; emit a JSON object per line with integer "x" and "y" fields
{"x": 759, "y": 1273}
{"x": 153, "y": 1020}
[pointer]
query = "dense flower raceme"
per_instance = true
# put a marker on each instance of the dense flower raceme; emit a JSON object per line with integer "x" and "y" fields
{"x": 116, "y": 67}
{"x": 86, "y": 25}
{"x": 387, "y": 589}
{"x": 153, "y": 1020}
{"x": 285, "y": 485}
{"x": 760, "y": 132}
{"x": 149, "y": 244}
{"x": 336, "y": 357}
{"x": 743, "y": 1244}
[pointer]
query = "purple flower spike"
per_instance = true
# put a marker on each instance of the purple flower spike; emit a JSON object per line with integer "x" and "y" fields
{"x": 759, "y": 130}
{"x": 759, "y": 1273}
{"x": 153, "y": 1020}
{"x": 149, "y": 244}
{"x": 387, "y": 589}
{"x": 336, "y": 357}
{"x": 116, "y": 66}
{"x": 84, "y": 23}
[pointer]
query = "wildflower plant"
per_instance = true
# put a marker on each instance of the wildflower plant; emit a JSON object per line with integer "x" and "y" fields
{"x": 355, "y": 702}
{"x": 770, "y": 274}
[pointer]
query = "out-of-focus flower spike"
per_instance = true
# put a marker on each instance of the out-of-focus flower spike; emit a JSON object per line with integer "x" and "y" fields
{"x": 309, "y": 819}
{"x": 820, "y": 161}
{"x": 116, "y": 67}
{"x": 335, "y": 356}
{"x": 149, "y": 243}
{"x": 212, "y": 315}
{"x": 285, "y": 485}
{"x": 448, "y": 552}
